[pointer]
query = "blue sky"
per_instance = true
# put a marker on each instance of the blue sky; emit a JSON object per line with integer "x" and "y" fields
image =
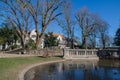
{"x": 108, "y": 10}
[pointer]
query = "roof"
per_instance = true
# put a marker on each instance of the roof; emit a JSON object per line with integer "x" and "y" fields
{"x": 56, "y": 35}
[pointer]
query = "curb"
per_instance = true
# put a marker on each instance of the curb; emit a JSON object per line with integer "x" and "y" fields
{"x": 22, "y": 73}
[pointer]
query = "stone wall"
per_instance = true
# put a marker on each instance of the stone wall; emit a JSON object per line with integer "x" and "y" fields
{"x": 47, "y": 52}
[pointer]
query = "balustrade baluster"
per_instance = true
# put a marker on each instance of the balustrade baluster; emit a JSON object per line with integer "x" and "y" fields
{"x": 80, "y": 53}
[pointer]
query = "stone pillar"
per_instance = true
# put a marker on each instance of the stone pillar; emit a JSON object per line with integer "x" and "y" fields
{"x": 93, "y": 52}
{"x": 66, "y": 53}
{"x": 77, "y": 53}
{"x": 85, "y": 52}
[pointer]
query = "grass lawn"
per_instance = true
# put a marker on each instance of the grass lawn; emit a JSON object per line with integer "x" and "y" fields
{"x": 10, "y": 67}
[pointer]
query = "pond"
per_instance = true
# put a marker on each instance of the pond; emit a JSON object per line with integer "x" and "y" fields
{"x": 76, "y": 70}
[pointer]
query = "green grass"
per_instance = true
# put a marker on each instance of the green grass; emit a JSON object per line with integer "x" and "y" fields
{"x": 10, "y": 67}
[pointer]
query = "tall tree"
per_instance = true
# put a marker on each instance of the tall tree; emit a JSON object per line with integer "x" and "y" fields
{"x": 17, "y": 16}
{"x": 103, "y": 33}
{"x": 87, "y": 23}
{"x": 8, "y": 36}
{"x": 67, "y": 23}
{"x": 43, "y": 13}
{"x": 117, "y": 37}
{"x": 92, "y": 41}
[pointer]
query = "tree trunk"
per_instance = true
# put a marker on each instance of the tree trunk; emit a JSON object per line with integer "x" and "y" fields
{"x": 103, "y": 40}
{"x": 37, "y": 40}
{"x": 40, "y": 42}
{"x": 40, "y": 37}
{"x": 37, "y": 33}
{"x": 84, "y": 42}
{"x": 94, "y": 41}
{"x": 72, "y": 44}
{"x": 23, "y": 44}
{"x": 103, "y": 44}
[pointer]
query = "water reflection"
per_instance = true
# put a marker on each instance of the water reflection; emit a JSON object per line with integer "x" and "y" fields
{"x": 74, "y": 70}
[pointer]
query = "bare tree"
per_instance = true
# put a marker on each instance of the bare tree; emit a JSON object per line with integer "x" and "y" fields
{"x": 93, "y": 34}
{"x": 87, "y": 23}
{"x": 92, "y": 41}
{"x": 67, "y": 23}
{"x": 103, "y": 33}
{"x": 16, "y": 16}
{"x": 43, "y": 13}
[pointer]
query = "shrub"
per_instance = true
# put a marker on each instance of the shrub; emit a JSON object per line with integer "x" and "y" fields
{"x": 14, "y": 46}
{"x": 31, "y": 44}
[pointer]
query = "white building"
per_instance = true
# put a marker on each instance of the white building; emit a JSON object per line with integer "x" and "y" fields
{"x": 33, "y": 36}
{"x": 60, "y": 38}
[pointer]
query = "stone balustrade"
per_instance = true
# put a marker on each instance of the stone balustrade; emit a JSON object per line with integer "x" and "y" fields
{"x": 80, "y": 54}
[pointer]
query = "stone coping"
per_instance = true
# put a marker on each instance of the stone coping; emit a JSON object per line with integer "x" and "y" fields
{"x": 84, "y": 58}
{"x": 15, "y": 55}
{"x": 22, "y": 73}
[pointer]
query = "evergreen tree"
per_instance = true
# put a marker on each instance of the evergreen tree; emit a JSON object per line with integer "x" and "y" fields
{"x": 50, "y": 40}
{"x": 8, "y": 36}
{"x": 117, "y": 38}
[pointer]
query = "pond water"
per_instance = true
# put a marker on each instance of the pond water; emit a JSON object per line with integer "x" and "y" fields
{"x": 76, "y": 70}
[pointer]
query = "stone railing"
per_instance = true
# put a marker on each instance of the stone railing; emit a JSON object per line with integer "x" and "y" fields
{"x": 80, "y": 54}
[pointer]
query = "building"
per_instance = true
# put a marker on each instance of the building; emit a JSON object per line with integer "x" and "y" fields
{"x": 32, "y": 35}
{"x": 60, "y": 39}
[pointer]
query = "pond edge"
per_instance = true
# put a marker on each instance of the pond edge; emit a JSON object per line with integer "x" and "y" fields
{"x": 23, "y": 72}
